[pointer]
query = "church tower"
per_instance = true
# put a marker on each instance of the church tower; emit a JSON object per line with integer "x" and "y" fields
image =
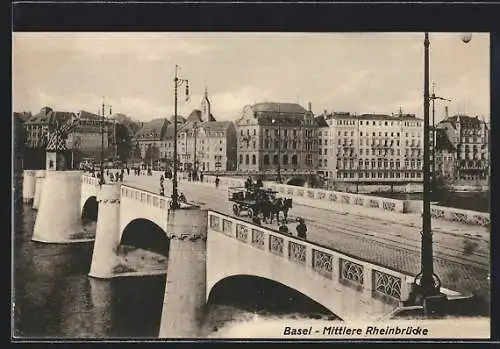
{"x": 205, "y": 107}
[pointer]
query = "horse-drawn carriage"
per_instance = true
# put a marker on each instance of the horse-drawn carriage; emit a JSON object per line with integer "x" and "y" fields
{"x": 256, "y": 200}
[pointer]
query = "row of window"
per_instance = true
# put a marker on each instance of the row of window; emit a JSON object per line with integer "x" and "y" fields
{"x": 380, "y": 123}
{"x": 341, "y": 174}
{"x": 285, "y": 159}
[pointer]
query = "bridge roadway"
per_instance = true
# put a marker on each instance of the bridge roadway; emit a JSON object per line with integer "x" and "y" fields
{"x": 395, "y": 245}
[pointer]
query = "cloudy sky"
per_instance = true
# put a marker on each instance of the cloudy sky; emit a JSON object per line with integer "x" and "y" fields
{"x": 355, "y": 72}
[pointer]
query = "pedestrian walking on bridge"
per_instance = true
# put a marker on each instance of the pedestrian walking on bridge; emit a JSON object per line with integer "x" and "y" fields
{"x": 301, "y": 229}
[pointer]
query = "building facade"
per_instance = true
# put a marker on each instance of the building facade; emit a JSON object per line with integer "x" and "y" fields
{"x": 37, "y": 128}
{"x": 373, "y": 148}
{"x": 277, "y": 134}
{"x": 462, "y": 149}
{"x": 89, "y": 135}
{"x": 206, "y": 144}
{"x": 149, "y": 141}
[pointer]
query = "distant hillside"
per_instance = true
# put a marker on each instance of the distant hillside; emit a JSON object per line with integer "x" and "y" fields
{"x": 133, "y": 125}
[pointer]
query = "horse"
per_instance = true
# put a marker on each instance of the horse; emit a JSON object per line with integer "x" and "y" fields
{"x": 287, "y": 205}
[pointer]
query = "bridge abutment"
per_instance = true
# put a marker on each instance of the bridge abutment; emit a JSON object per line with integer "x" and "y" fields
{"x": 40, "y": 178}
{"x": 59, "y": 218}
{"x": 29, "y": 182}
{"x": 107, "y": 237}
{"x": 184, "y": 300}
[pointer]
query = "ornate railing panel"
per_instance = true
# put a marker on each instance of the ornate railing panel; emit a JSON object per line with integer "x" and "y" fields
{"x": 351, "y": 272}
{"x": 258, "y": 238}
{"x": 297, "y": 252}
{"x": 227, "y": 227}
{"x": 242, "y": 232}
{"x": 389, "y": 205}
{"x": 323, "y": 263}
{"x": 387, "y": 285}
{"x": 276, "y": 245}
{"x": 214, "y": 223}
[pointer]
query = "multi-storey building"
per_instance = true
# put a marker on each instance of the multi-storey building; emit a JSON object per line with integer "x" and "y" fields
{"x": 277, "y": 134}
{"x": 38, "y": 127}
{"x": 149, "y": 139}
{"x": 206, "y": 144}
{"x": 462, "y": 148}
{"x": 324, "y": 143}
{"x": 87, "y": 137}
{"x": 372, "y": 148}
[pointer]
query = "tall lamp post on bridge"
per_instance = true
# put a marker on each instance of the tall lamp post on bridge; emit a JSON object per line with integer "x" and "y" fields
{"x": 195, "y": 129}
{"x": 103, "y": 121}
{"x": 277, "y": 121}
{"x": 433, "y": 98}
{"x": 427, "y": 283}
{"x": 177, "y": 83}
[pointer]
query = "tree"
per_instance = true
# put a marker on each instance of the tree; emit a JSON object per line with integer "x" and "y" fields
{"x": 123, "y": 141}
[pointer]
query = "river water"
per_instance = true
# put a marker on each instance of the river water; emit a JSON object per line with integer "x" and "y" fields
{"x": 54, "y": 297}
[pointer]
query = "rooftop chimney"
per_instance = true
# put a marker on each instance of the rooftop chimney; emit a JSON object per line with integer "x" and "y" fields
{"x": 446, "y": 111}
{"x": 310, "y": 106}
{"x": 324, "y": 112}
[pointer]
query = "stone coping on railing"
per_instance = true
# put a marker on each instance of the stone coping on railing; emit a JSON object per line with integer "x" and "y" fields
{"x": 321, "y": 195}
{"x": 149, "y": 198}
{"x": 393, "y": 205}
{"x": 384, "y": 283}
{"x": 461, "y": 216}
{"x": 93, "y": 181}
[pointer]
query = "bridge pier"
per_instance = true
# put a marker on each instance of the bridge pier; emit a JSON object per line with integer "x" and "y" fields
{"x": 59, "y": 218}
{"x": 29, "y": 182}
{"x": 184, "y": 300}
{"x": 107, "y": 237}
{"x": 40, "y": 178}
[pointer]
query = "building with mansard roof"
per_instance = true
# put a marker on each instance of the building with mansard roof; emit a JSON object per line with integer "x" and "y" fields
{"x": 272, "y": 135}
{"x": 150, "y": 136}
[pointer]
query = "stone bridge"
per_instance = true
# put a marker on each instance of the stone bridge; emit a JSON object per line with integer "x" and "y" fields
{"x": 206, "y": 247}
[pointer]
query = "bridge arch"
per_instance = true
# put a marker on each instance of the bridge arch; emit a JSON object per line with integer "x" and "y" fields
{"x": 296, "y": 181}
{"x": 145, "y": 234}
{"x": 90, "y": 209}
{"x": 256, "y": 293}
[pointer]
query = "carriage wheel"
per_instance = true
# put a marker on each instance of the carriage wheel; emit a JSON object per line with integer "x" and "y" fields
{"x": 236, "y": 210}
{"x": 250, "y": 213}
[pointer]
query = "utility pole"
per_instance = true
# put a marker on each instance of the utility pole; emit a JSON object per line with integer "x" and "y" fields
{"x": 177, "y": 83}
{"x": 101, "y": 176}
{"x": 433, "y": 98}
{"x": 195, "y": 127}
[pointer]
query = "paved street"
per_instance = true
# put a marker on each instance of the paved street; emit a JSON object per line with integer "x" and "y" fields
{"x": 396, "y": 245}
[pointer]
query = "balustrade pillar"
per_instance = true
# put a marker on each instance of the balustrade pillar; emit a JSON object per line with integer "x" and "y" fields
{"x": 185, "y": 291}
{"x": 29, "y": 185}
{"x": 59, "y": 215}
{"x": 40, "y": 179}
{"x": 107, "y": 240}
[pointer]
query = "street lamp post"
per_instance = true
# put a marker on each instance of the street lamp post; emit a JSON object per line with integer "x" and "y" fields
{"x": 433, "y": 98}
{"x": 177, "y": 83}
{"x": 427, "y": 283}
{"x": 195, "y": 127}
{"x": 276, "y": 121}
{"x": 103, "y": 120}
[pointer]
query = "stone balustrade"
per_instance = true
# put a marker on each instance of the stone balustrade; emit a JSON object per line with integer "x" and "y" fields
{"x": 312, "y": 195}
{"x": 461, "y": 216}
{"x": 92, "y": 181}
{"x": 145, "y": 197}
{"x": 321, "y": 198}
{"x": 383, "y": 283}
